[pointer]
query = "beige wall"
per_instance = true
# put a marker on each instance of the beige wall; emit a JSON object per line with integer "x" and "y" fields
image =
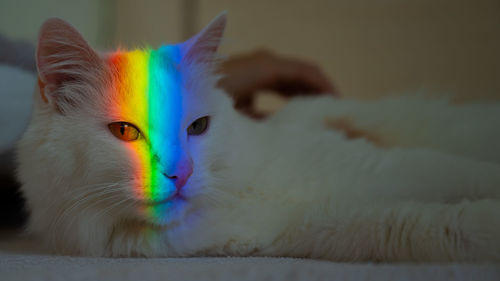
{"x": 21, "y": 19}
{"x": 152, "y": 22}
{"x": 375, "y": 48}
{"x": 369, "y": 48}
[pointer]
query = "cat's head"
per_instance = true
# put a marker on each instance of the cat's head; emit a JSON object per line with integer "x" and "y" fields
{"x": 121, "y": 137}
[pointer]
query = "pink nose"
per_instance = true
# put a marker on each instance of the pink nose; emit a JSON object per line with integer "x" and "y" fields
{"x": 180, "y": 175}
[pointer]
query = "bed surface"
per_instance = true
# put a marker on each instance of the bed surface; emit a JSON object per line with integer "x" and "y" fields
{"x": 22, "y": 259}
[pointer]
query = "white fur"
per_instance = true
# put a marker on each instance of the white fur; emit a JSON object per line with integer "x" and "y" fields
{"x": 283, "y": 187}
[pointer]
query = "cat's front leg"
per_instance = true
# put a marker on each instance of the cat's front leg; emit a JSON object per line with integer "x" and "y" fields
{"x": 401, "y": 232}
{"x": 467, "y": 231}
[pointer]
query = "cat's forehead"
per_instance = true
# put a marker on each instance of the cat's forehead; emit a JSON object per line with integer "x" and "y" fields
{"x": 145, "y": 81}
{"x": 146, "y": 68}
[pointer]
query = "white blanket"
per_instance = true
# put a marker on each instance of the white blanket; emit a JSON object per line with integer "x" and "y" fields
{"x": 20, "y": 259}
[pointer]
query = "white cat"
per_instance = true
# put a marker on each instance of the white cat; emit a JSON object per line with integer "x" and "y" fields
{"x": 400, "y": 179}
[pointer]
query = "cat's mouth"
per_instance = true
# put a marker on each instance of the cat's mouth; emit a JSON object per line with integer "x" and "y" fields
{"x": 170, "y": 199}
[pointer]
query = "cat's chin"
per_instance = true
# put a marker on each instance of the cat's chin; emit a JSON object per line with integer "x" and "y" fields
{"x": 171, "y": 210}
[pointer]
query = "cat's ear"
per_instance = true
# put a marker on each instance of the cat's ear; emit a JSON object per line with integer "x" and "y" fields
{"x": 63, "y": 56}
{"x": 202, "y": 47}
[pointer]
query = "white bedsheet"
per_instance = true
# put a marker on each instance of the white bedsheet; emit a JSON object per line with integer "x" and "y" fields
{"x": 21, "y": 259}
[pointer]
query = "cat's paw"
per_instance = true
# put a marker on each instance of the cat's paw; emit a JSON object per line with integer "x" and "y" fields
{"x": 480, "y": 227}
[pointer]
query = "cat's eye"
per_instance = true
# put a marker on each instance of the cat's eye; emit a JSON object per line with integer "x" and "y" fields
{"x": 124, "y": 131}
{"x": 198, "y": 127}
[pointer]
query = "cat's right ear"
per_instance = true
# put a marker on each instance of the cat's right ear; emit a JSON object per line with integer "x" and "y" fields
{"x": 202, "y": 47}
{"x": 63, "y": 56}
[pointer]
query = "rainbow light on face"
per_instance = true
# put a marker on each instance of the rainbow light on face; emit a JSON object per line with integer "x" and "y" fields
{"x": 147, "y": 92}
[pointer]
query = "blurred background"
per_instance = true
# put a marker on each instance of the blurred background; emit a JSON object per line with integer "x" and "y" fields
{"x": 369, "y": 49}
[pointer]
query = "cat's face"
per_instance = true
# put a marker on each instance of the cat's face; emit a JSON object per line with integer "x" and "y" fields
{"x": 124, "y": 134}
{"x": 157, "y": 125}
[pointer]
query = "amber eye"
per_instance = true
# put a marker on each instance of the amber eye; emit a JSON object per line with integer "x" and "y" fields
{"x": 198, "y": 127}
{"x": 124, "y": 131}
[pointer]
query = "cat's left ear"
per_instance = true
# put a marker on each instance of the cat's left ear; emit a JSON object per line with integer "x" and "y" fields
{"x": 63, "y": 57}
{"x": 202, "y": 47}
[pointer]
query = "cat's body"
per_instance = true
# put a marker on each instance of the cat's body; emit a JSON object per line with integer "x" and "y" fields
{"x": 312, "y": 192}
{"x": 401, "y": 179}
